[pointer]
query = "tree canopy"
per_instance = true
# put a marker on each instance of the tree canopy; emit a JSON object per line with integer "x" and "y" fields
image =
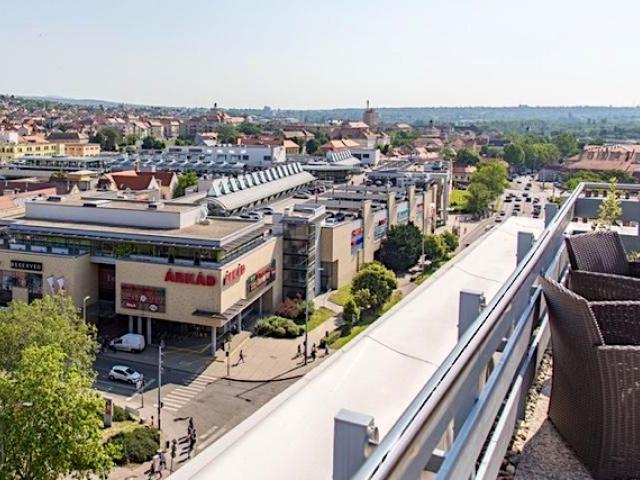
{"x": 50, "y": 419}
{"x": 151, "y": 143}
{"x": 611, "y": 207}
{"x": 372, "y": 287}
{"x": 513, "y": 154}
{"x": 435, "y": 247}
{"x": 402, "y": 248}
{"x": 185, "y": 180}
{"x": 109, "y": 138}
{"x": 492, "y": 175}
{"x": 227, "y": 133}
{"x": 51, "y": 320}
{"x": 466, "y": 156}
{"x": 249, "y": 128}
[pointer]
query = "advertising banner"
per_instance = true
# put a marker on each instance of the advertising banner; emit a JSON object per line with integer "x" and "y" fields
{"x": 139, "y": 297}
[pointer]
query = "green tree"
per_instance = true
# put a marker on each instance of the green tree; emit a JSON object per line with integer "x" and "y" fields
{"x": 401, "y": 249}
{"x": 312, "y": 146}
{"x": 451, "y": 240}
{"x": 448, "y": 153}
{"x": 151, "y": 143}
{"x": 380, "y": 283}
{"x": 492, "y": 175}
{"x": 249, "y": 128}
{"x": 575, "y": 179}
{"x": 514, "y": 155}
{"x": 435, "y": 247}
{"x": 227, "y": 133}
{"x": 351, "y": 312}
{"x": 109, "y": 138}
{"x": 130, "y": 139}
{"x": 185, "y": 180}
{"x": 478, "y": 198}
{"x": 567, "y": 144}
{"x": 51, "y": 320}
{"x": 611, "y": 207}
{"x": 50, "y": 419}
{"x": 403, "y": 138}
{"x": 466, "y": 156}
{"x": 182, "y": 142}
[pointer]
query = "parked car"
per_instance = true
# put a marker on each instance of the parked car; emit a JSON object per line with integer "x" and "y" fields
{"x": 528, "y": 199}
{"x": 130, "y": 342}
{"x": 268, "y": 210}
{"x": 125, "y": 374}
{"x": 302, "y": 195}
{"x": 251, "y": 216}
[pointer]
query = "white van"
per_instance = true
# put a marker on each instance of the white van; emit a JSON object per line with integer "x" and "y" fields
{"x": 130, "y": 342}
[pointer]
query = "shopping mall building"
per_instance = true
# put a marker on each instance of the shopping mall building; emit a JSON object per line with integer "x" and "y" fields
{"x": 168, "y": 268}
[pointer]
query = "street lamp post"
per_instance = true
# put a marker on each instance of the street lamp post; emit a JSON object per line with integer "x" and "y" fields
{"x": 306, "y": 325}
{"x": 84, "y": 307}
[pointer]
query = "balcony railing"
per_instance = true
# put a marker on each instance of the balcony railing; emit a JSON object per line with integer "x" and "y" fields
{"x": 461, "y": 422}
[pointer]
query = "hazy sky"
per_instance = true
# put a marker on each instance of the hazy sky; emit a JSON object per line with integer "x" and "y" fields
{"x": 321, "y": 54}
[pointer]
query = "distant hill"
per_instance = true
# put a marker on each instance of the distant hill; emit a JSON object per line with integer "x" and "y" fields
{"x": 85, "y": 102}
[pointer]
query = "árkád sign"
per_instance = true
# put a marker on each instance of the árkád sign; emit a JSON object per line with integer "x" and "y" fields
{"x": 190, "y": 278}
{"x": 233, "y": 275}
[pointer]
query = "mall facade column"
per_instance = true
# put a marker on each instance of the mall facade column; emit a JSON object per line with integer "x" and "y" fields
{"x": 240, "y": 321}
{"x": 148, "y": 330}
{"x": 139, "y": 331}
{"x": 214, "y": 340}
{"x": 130, "y": 323}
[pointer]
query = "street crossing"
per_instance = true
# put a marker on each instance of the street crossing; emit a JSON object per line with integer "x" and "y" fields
{"x": 183, "y": 394}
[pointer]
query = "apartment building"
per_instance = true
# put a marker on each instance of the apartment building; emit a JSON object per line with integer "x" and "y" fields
{"x": 10, "y": 151}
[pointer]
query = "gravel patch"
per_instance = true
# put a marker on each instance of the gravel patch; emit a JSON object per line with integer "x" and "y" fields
{"x": 537, "y": 451}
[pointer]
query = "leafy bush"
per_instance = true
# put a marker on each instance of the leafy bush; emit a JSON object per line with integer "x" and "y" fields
{"x": 351, "y": 312}
{"x": 120, "y": 414}
{"x": 379, "y": 282}
{"x": 278, "y": 327}
{"x": 451, "y": 240}
{"x": 294, "y": 309}
{"x": 135, "y": 446}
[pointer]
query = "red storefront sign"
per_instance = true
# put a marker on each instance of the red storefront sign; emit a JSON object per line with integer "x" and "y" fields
{"x": 233, "y": 275}
{"x": 190, "y": 278}
{"x": 264, "y": 276}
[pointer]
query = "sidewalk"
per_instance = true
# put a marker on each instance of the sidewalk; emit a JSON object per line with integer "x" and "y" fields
{"x": 172, "y": 427}
{"x": 265, "y": 358}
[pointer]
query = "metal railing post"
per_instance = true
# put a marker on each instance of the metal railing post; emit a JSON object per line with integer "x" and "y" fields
{"x": 550, "y": 210}
{"x": 525, "y": 242}
{"x": 471, "y": 304}
{"x": 353, "y": 434}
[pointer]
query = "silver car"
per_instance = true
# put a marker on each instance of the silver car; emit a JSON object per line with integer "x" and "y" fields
{"x": 125, "y": 374}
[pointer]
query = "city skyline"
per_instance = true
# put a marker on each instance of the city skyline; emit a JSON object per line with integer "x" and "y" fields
{"x": 293, "y": 56}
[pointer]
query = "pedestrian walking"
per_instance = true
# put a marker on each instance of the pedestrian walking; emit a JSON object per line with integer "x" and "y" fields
{"x": 299, "y": 351}
{"x": 326, "y": 349}
{"x": 241, "y": 359}
{"x": 163, "y": 460}
{"x": 313, "y": 355}
{"x": 191, "y": 422}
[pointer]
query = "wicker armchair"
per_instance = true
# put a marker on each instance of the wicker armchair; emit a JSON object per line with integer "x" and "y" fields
{"x": 600, "y": 267}
{"x": 595, "y": 389}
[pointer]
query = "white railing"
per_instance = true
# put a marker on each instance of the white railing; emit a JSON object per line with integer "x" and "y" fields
{"x": 461, "y": 422}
